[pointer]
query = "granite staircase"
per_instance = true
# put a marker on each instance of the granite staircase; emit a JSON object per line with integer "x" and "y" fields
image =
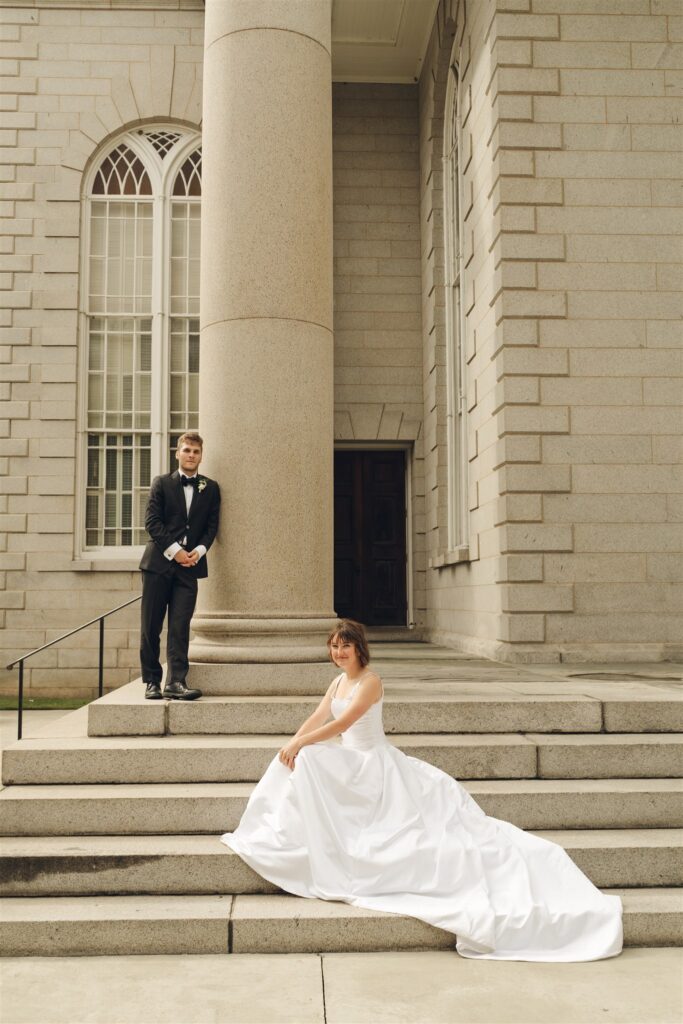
{"x": 109, "y": 820}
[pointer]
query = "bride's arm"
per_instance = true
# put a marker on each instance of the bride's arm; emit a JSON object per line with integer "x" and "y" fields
{"x": 367, "y": 694}
{"x": 321, "y": 713}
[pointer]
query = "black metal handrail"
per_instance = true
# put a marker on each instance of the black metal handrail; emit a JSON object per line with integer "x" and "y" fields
{"x": 20, "y": 661}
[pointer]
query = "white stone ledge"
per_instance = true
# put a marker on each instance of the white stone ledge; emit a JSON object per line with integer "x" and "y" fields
{"x": 101, "y": 565}
{"x": 461, "y": 554}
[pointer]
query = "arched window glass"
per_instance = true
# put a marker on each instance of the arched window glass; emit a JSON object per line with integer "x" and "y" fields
{"x": 122, "y": 173}
{"x": 163, "y": 141}
{"x": 456, "y": 396}
{"x": 141, "y": 321}
{"x": 188, "y": 181}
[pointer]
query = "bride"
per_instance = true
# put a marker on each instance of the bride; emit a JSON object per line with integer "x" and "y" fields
{"x": 364, "y": 823}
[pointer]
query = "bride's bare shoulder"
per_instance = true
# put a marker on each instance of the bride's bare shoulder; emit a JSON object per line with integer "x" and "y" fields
{"x": 372, "y": 683}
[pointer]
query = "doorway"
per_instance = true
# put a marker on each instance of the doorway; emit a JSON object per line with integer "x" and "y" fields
{"x": 370, "y": 536}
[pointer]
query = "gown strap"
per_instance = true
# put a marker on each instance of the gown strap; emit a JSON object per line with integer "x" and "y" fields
{"x": 357, "y": 684}
{"x": 353, "y": 688}
{"x": 360, "y": 680}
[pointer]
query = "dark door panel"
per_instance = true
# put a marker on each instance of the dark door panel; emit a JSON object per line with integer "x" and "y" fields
{"x": 370, "y": 537}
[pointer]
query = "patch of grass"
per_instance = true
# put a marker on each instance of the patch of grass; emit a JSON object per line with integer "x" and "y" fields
{"x": 44, "y": 703}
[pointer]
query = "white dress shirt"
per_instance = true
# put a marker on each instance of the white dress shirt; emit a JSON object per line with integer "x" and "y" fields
{"x": 173, "y": 549}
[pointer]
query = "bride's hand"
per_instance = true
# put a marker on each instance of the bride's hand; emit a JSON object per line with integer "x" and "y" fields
{"x": 288, "y": 753}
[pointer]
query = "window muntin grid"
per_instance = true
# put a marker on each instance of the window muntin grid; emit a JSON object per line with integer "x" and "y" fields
{"x": 120, "y": 271}
{"x": 184, "y": 373}
{"x": 118, "y": 479}
{"x": 139, "y": 250}
{"x": 185, "y": 249}
{"x": 120, "y": 373}
{"x": 184, "y": 380}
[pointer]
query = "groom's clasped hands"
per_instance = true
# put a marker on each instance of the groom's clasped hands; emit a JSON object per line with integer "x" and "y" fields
{"x": 186, "y": 558}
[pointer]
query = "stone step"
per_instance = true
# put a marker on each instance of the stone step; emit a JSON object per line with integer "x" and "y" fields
{"x": 125, "y": 712}
{"x": 408, "y": 708}
{"x": 217, "y": 807}
{"x": 111, "y": 925}
{"x": 259, "y": 924}
{"x": 234, "y": 758}
{"x": 69, "y": 759}
{"x": 643, "y": 714}
{"x": 609, "y": 756}
{"x": 114, "y": 925}
{"x": 201, "y": 864}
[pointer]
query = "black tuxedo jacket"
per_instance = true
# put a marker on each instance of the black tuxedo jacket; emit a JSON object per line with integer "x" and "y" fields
{"x": 167, "y": 521}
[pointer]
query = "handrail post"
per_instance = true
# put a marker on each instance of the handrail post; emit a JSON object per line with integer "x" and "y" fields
{"x": 20, "y": 702}
{"x": 100, "y": 682}
{"x": 58, "y": 639}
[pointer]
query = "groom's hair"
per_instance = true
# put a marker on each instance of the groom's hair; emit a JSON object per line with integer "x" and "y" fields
{"x": 351, "y": 632}
{"x": 191, "y": 435}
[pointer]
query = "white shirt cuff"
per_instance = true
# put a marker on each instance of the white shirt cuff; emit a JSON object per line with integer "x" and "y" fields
{"x": 172, "y": 551}
{"x": 201, "y": 550}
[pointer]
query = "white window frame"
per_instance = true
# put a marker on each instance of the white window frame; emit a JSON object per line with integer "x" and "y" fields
{"x": 456, "y": 365}
{"x": 162, "y": 173}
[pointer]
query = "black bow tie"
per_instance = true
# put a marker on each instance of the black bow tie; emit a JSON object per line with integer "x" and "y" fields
{"x": 189, "y": 481}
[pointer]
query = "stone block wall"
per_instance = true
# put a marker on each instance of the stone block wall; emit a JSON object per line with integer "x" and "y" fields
{"x": 463, "y": 595}
{"x": 377, "y": 318}
{"x": 585, "y": 208}
{"x": 615, "y": 98}
{"x": 72, "y": 75}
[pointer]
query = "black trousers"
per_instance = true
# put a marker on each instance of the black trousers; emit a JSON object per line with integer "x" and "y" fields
{"x": 175, "y": 593}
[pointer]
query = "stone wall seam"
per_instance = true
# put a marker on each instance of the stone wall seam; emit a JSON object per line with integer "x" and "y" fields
{"x": 268, "y": 28}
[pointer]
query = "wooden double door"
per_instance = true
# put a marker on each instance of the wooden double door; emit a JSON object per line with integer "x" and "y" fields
{"x": 370, "y": 537}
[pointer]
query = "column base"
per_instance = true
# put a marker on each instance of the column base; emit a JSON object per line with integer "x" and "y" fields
{"x": 266, "y": 679}
{"x": 265, "y": 655}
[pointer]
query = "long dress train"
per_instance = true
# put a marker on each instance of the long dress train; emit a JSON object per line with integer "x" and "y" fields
{"x": 362, "y": 822}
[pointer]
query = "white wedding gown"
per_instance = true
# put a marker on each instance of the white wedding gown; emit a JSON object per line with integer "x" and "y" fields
{"x": 364, "y": 823}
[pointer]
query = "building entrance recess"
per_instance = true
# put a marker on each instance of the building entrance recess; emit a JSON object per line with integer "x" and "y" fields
{"x": 370, "y": 537}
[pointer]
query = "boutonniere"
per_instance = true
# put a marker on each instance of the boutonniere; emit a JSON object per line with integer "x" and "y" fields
{"x": 201, "y": 485}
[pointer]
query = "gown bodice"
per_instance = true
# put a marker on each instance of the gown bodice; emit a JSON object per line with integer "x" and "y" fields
{"x": 368, "y": 731}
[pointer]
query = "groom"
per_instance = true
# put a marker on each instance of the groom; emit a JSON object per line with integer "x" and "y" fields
{"x": 182, "y": 520}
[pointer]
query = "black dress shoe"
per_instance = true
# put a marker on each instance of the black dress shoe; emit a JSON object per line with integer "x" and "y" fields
{"x": 178, "y": 691}
{"x": 153, "y": 691}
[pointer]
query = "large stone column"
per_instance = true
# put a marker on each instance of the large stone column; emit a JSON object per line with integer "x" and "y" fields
{"x": 266, "y": 365}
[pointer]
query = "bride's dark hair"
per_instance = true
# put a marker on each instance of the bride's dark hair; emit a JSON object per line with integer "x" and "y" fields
{"x": 351, "y": 632}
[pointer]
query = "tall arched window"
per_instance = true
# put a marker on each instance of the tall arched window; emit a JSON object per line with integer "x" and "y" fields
{"x": 456, "y": 396}
{"x": 140, "y": 323}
